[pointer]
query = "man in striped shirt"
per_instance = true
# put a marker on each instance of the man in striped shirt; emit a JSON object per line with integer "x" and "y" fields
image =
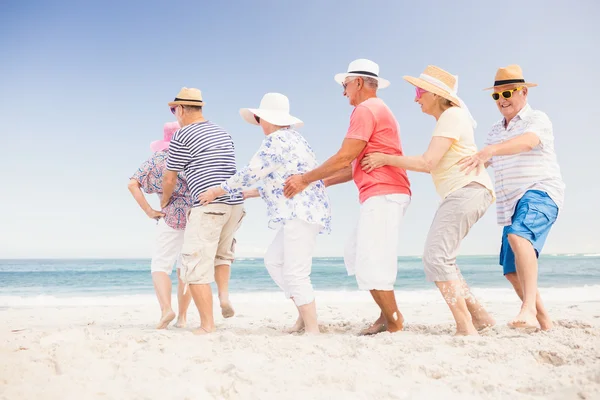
{"x": 205, "y": 153}
{"x": 529, "y": 188}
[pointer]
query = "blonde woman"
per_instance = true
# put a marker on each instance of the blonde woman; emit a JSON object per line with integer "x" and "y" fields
{"x": 465, "y": 198}
{"x": 284, "y": 152}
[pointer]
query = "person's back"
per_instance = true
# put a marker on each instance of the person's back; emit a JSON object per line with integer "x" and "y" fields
{"x": 206, "y": 153}
{"x": 373, "y": 122}
{"x": 447, "y": 176}
{"x": 299, "y": 158}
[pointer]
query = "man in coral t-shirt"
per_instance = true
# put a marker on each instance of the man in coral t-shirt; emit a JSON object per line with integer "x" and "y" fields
{"x": 384, "y": 194}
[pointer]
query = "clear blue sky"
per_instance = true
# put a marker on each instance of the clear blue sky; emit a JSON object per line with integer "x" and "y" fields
{"x": 85, "y": 84}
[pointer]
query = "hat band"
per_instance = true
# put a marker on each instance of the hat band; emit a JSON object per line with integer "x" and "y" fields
{"x": 180, "y": 99}
{"x": 364, "y": 73}
{"x": 508, "y": 81}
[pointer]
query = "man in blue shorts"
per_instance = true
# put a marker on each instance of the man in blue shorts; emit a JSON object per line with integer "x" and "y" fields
{"x": 529, "y": 188}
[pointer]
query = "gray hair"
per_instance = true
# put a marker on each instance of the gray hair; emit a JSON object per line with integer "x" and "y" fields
{"x": 192, "y": 108}
{"x": 371, "y": 83}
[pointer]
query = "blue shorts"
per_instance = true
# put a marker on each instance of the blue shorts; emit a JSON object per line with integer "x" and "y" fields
{"x": 534, "y": 215}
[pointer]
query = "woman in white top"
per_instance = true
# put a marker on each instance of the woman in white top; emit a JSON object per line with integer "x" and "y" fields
{"x": 465, "y": 198}
{"x": 284, "y": 152}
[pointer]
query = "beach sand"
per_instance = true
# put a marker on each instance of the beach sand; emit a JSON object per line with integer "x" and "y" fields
{"x": 113, "y": 352}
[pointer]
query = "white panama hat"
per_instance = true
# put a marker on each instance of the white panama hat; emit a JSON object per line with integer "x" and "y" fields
{"x": 365, "y": 68}
{"x": 274, "y": 108}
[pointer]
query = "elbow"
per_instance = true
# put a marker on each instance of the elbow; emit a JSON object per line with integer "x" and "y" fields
{"x": 132, "y": 185}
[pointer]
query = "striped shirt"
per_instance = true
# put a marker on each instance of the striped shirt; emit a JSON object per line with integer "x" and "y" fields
{"x": 205, "y": 152}
{"x": 533, "y": 170}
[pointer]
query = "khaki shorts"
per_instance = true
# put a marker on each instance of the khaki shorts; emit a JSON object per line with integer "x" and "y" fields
{"x": 453, "y": 220}
{"x": 209, "y": 240}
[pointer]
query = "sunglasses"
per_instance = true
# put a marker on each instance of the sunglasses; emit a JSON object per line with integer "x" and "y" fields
{"x": 507, "y": 94}
{"x": 345, "y": 84}
{"x": 173, "y": 109}
{"x": 420, "y": 92}
{"x": 257, "y": 118}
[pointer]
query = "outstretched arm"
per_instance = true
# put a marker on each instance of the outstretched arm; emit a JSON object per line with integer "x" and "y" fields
{"x": 342, "y": 176}
{"x": 424, "y": 163}
{"x": 350, "y": 149}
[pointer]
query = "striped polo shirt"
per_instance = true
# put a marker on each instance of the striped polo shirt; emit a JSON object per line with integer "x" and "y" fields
{"x": 205, "y": 152}
{"x": 532, "y": 170}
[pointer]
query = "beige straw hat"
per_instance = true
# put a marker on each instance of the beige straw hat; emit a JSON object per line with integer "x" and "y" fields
{"x": 188, "y": 97}
{"x": 511, "y": 75}
{"x": 437, "y": 81}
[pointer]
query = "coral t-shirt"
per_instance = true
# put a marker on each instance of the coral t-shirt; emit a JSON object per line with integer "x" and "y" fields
{"x": 373, "y": 122}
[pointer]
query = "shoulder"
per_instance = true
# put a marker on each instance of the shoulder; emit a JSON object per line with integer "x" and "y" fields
{"x": 537, "y": 117}
{"x": 453, "y": 114}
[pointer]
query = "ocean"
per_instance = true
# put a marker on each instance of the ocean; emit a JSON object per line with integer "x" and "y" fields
{"x": 117, "y": 281}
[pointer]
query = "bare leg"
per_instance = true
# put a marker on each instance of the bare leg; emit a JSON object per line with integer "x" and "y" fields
{"x": 542, "y": 315}
{"x": 527, "y": 269}
{"x": 162, "y": 287}
{"x": 202, "y": 295}
{"x": 453, "y": 294}
{"x": 386, "y": 300}
{"x": 183, "y": 301}
{"x": 299, "y": 325}
{"x": 308, "y": 314}
{"x": 222, "y": 275}
{"x": 480, "y": 317}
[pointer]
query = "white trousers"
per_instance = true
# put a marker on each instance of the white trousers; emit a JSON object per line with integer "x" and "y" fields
{"x": 289, "y": 260}
{"x": 167, "y": 248}
{"x": 372, "y": 250}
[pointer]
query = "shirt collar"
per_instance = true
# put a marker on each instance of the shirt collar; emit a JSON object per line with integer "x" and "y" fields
{"x": 525, "y": 111}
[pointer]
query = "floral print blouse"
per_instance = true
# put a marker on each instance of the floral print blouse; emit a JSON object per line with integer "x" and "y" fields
{"x": 150, "y": 175}
{"x": 284, "y": 153}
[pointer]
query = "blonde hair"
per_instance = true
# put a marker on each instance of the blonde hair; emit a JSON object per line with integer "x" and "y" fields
{"x": 443, "y": 102}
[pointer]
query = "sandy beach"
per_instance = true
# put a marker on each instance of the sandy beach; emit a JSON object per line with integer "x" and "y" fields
{"x": 113, "y": 352}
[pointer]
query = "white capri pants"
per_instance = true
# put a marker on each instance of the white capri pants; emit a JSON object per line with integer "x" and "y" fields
{"x": 167, "y": 248}
{"x": 289, "y": 259}
{"x": 372, "y": 250}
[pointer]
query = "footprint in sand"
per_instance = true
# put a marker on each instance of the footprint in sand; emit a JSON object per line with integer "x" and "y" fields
{"x": 550, "y": 357}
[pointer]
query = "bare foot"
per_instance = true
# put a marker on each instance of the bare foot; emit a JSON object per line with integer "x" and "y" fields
{"x": 466, "y": 332}
{"x": 375, "y": 328}
{"x": 545, "y": 322}
{"x": 203, "y": 331}
{"x": 525, "y": 320}
{"x": 298, "y": 326}
{"x": 312, "y": 332}
{"x": 227, "y": 310}
{"x": 181, "y": 322}
{"x": 483, "y": 323}
{"x": 165, "y": 319}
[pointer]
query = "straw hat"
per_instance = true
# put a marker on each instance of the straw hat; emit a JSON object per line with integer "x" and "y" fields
{"x": 168, "y": 131}
{"x": 274, "y": 108}
{"x": 511, "y": 75}
{"x": 188, "y": 97}
{"x": 366, "y": 69}
{"x": 437, "y": 81}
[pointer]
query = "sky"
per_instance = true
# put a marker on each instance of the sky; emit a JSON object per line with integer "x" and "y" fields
{"x": 84, "y": 87}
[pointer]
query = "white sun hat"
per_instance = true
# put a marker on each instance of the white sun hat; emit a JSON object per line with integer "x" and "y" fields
{"x": 274, "y": 108}
{"x": 365, "y": 68}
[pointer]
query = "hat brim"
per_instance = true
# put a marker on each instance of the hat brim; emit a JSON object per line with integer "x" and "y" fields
{"x": 430, "y": 87}
{"x": 159, "y": 145}
{"x": 186, "y": 103}
{"x": 526, "y": 84}
{"x": 340, "y": 78}
{"x": 274, "y": 117}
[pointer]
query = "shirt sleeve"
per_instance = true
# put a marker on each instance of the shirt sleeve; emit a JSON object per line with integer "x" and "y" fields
{"x": 451, "y": 124}
{"x": 266, "y": 160}
{"x": 141, "y": 175}
{"x": 179, "y": 155}
{"x": 540, "y": 124}
{"x": 362, "y": 124}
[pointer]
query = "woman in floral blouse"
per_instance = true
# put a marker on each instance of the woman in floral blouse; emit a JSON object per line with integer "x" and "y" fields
{"x": 171, "y": 224}
{"x": 284, "y": 152}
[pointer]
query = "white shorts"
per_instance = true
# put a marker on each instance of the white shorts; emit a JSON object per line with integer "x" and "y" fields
{"x": 167, "y": 248}
{"x": 372, "y": 250}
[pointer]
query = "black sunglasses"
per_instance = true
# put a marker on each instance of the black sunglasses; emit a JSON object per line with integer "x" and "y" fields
{"x": 257, "y": 118}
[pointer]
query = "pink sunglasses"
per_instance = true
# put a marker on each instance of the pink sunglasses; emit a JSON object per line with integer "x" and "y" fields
{"x": 420, "y": 92}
